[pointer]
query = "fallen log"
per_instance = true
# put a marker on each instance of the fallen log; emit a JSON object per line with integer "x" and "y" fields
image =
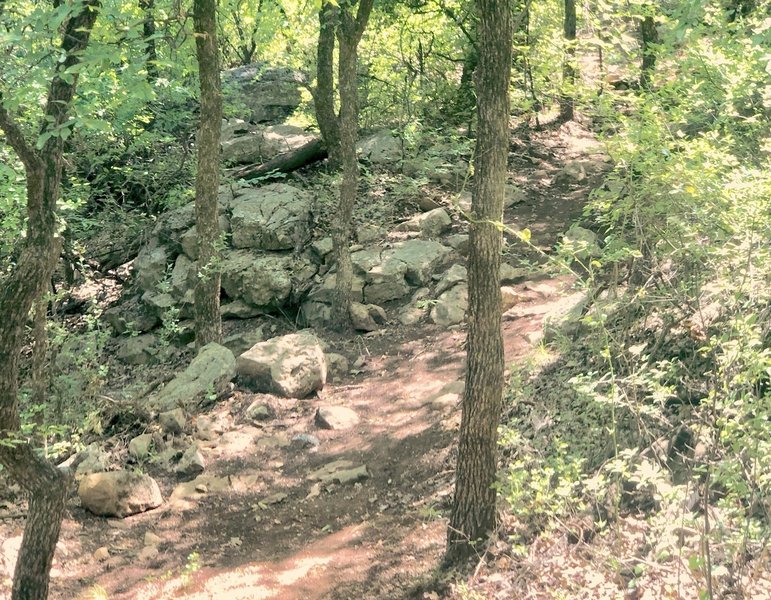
{"x": 283, "y": 163}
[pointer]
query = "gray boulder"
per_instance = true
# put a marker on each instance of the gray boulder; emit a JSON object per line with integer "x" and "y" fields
{"x": 266, "y": 94}
{"x": 582, "y": 243}
{"x": 150, "y": 266}
{"x": 209, "y": 372}
{"x": 381, "y": 148}
{"x": 367, "y": 317}
{"x": 138, "y": 350}
{"x": 273, "y": 217}
{"x": 430, "y": 224}
{"x": 262, "y": 280}
{"x": 189, "y": 240}
{"x": 293, "y": 365}
{"x": 119, "y": 493}
{"x": 450, "y": 308}
{"x": 454, "y": 275}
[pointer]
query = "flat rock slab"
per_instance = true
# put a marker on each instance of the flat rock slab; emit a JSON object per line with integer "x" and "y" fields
{"x": 336, "y": 417}
{"x": 339, "y": 471}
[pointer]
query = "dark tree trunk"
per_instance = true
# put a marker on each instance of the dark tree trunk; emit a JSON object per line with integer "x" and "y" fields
{"x": 283, "y": 163}
{"x": 474, "y": 505}
{"x": 208, "y": 323}
{"x": 44, "y": 483}
{"x": 349, "y": 34}
{"x": 650, "y": 37}
{"x": 568, "y": 101}
{"x": 148, "y": 32}
{"x": 324, "y": 94}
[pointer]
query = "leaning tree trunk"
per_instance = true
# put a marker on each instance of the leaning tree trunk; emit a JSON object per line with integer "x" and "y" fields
{"x": 474, "y": 505}
{"x": 208, "y": 323}
{"x": 349, "y": 34}
{"x": 568, "y": 100}
{"x": 45, "y": 484}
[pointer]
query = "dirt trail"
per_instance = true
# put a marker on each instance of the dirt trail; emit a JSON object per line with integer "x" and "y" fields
{"x": 377, "y": 538}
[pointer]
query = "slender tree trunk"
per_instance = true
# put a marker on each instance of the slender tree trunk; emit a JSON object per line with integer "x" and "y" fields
{"x": 208, "y": 323}
{"x": 324, "y": 94}
{"x": 567, "y": 101}
{"x": 148, "y": 32}
{"x": 349, "y": 35}
{"x": 650, "y": 37}
{"x": 474, "y": 505}
{"x": 45, "y": 484}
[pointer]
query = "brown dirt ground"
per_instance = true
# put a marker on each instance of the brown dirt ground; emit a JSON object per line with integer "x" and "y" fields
{"x": 381, "y": 538}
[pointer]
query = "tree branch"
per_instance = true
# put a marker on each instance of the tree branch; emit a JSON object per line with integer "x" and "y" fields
{"x": 16, "y": 140}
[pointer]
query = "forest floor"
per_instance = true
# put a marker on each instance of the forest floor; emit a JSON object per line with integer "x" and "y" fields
{"x": 271, "y": 532}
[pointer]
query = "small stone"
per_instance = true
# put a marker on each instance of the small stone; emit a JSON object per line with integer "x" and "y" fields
{"x": 151, "y": 539}
{"x": 276, "y": 498}
{"x": 336, "y": 417}
{"x": 204, "y": 429}
{"x": 148, "y": 553}
{"x": 202, "y": 488}
{"x": 139, "y": 447}
{"x": 102, "y": 554}
{"x": 192, "y": 462}
{"x": 260, "y": 411}
{"x": 337, "y": 365}
{"x": 172, "y": 421}
{"x": 367, "y": 317}
{"x": 306, "y": 440}
{"x": 359, "y": 362}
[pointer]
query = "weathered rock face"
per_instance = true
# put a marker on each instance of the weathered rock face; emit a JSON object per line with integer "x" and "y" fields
{"x": 242, "y": 143}
{"x": 273, "y": 217}
{"x": 259, "y": 279}
{"x": 450, "y": 307}
{"x": 267, "y": 95}
{"x": 138, "y": 350}
{"x": 292, "y": 365}
{"x": 381, "y": 148}
{"x": 430, "y": 224}
{"x": 210, "y": 371}
{"x": 119, "y": 493}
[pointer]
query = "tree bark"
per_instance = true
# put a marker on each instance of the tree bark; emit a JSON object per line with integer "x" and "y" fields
{"x": 45, "y": 484}
{"x": 650, "y": 37}
{"x": 148, "y": 32}
{"x": 349, "y": 34}
{"x": 208, "y": 322}
{"x": 567, "y": 100}
{"x": 324, "y": 94}
{"x": 474, "y": 504}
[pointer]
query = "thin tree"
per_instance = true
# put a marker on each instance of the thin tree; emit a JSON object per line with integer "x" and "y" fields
{"x": 474, "y": 503}
{"x": 208, "y": 323}
{"x": 340, "y": 132}
{"x": 567, "y": 99}
{"x": 45, "y": 485}
{"x": 649, "y": 38}
{"x": 148, "y": 33}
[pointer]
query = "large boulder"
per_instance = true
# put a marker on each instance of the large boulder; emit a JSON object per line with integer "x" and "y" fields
{"x": 265, "y": 94}
{"x": 292, "y": 365}
{"x": 119, "y": 493}
{"x": 209, "y": 372}
{"x": 273, "y": 217}
{"x": 380, "y": 148}
{"x": 264, "y": 280}
{"x": 150, "y": 266}
{"x": 430, "y": 224}
{"x": 245, "y": 144}
{"x": 450, "y": 307}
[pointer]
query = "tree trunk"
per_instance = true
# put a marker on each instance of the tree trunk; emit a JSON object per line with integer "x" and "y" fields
{"x": 148, "y": 32}
{"x": 349, "y": 34}
{"x": 324, "y": 95}
{"x": 650, "y": 37}
{"x": 474, "y": 505}
{"x": 45, "y": 484}
{"x": 208, "y": 323}
{"x": 567, "y": 100}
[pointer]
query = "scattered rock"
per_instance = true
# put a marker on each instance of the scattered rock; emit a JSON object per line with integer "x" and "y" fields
{"x": 238, "y": 343}
{"x": 336, "y": 417}
{"x": 337, "y": 365}
{"x": 381, "y": 148}
{"x": 339, "y": 471}
{"x": 209, "y": 372}
{"x": 306, "y": 440}
{"x": 430, "y": 224}
{"x": 293, "y": 365}
{"x": 273, "y": 441}
{"x": 119, "y": 493}
{"x": 459, "y": 243}
{"x": 260, "y": 411}
{"x": 138, "y": 350}
{"x": 582, "y": 243}
{"x": 96, "y": 460}
{"x": 565, "y": 319}
{"x": 450, "y": 307}
{"x": 172, "y": 421}
{"x": 102, "y": 554}
{"x": 367, "y": 317}
{"x": 204, "y": 429}
{"x": 454, "y": 275}
{"x": 151, "y": 539}
{"x": 147, "y": 553}
{"x": 238, "y": 309}
{"x": 511, "y": 274}
{"x": 192, "y": 462}
{"x": 276, "y": 498}
{"x": 139, "y": 447}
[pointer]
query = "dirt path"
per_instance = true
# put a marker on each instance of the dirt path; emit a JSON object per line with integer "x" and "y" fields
{"x": 261, "y": 528}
